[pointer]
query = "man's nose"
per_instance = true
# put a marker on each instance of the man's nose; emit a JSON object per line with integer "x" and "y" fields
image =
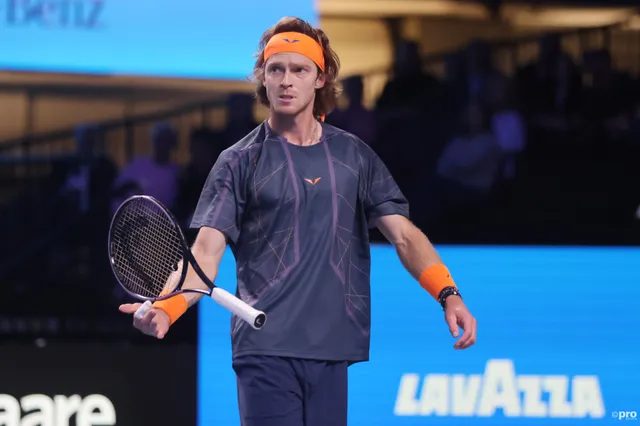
{"x": 286, "y": 79}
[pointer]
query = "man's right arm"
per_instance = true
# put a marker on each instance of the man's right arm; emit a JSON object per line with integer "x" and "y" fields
{"x": 208, "y": 250}
{"x": 219, "y": 207}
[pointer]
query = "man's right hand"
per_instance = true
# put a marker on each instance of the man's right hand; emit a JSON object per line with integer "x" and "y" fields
{"x": 155, "y": 322}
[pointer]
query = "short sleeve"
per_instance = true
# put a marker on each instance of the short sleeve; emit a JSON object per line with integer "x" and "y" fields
{"x": 381, "y": 195}
{"x": 222, "y": 200}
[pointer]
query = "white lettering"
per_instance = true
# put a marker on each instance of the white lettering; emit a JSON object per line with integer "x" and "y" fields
{"x": 465, "y": 394}
{"x": 499, "y": 391}
{"x": 558, "y": 389}
{"x": 9, "y": 411}
{"x": 66, "y": 408}
{"x": 435, "y": 395}
{"x": 531, "y": 386}
{"x": 42, "y": 410}
{"x": 587, "y": 397}
{"x": 407, "y": 403}
{"x": 96, "y": 410}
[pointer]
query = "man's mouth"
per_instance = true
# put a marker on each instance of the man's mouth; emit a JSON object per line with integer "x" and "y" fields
{"x": 286, "y": 97}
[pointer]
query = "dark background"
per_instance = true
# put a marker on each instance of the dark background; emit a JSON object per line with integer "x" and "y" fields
{"x": 148, "y": 384}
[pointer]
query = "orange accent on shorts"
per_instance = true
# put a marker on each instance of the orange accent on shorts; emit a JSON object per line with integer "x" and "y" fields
{"x": 312, "y": 181}
{"x": 435, "y": 278}
{"x": 175, "y": 306}
{"x": 295, "y": 42}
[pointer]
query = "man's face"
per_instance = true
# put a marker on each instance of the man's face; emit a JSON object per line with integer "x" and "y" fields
{"x": 291, "y": 80}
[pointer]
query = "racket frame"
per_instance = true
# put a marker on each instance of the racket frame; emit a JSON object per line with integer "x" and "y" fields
{"x": 187, "y": 259}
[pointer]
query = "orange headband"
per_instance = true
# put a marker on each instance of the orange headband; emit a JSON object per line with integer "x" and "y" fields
{"x": 295, "y": 43}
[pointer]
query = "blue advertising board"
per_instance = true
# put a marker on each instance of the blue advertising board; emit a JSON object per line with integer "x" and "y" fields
{"x": 558, "y": 342}
{"x": 168, "y": 38}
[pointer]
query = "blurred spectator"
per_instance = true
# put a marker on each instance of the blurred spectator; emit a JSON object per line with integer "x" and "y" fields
{"x": 90, "y": 173}
{"x": 625, "y": 128}
{"x": 241, "y": 118}
{"x": 405, "y": 117}
{"x": 549, "y": 89}
{"x": 205, "y": 147}
{"x": 609, "y": 95}
{"x": 407, "y": 91}
{"x": 452, "y": 98}
{"x": 480, "y": 74}
{"x": 453, "y": 84}
{"x": 157, "y": 175}
{"x": 467, "y": 170}
{"x": 355, "y": 118}
{"x": 508, "y": 127}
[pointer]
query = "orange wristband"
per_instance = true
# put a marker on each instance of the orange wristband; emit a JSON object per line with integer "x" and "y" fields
{"x": 435, "y": 278}
{"x": 175, "y": 306}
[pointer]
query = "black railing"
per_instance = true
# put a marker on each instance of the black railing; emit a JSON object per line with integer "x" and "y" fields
{"x": 506, "y": 52}
{"x": 26, "y": 143}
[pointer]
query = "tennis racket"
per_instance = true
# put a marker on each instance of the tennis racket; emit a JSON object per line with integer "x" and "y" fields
{"x": 149, "y": 257}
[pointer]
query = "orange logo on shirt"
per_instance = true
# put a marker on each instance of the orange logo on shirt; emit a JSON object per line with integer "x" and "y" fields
{"x": 312, "y": 182}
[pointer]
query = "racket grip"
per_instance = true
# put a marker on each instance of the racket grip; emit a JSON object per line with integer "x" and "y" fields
{"x": 246, "y": 312}
{"x": 143, "y": 310}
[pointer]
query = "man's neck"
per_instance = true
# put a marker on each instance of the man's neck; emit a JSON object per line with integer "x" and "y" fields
{"x": 298, "y": 129}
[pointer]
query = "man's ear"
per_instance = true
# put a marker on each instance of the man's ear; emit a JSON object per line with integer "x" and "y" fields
{"x": 320, "y": 81}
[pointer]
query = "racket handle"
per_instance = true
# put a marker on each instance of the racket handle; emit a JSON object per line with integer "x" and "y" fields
{"x": 142, "y": 310}
{"x": 246, "y": 312}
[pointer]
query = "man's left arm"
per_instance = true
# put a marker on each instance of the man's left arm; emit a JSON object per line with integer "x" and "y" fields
{"x": 422, "y": 261}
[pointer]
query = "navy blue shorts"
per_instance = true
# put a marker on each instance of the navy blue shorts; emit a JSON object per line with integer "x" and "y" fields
{"x": 277, "y": 391}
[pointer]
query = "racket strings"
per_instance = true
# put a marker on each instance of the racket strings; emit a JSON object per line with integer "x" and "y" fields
{"x": 145, "y": 248}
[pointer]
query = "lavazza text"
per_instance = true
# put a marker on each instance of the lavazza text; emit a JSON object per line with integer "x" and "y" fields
{"x": 59, "y": 410}
{"x": 500, "y": 389}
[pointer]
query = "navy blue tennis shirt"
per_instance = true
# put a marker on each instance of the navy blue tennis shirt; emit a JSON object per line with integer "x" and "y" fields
{"x": 297, "y": 220}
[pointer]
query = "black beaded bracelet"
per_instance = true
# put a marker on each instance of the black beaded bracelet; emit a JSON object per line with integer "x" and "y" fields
{"x": 446, "y": 292}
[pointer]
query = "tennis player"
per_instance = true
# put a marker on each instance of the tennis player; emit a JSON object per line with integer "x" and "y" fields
{"x": 294, "y": 200}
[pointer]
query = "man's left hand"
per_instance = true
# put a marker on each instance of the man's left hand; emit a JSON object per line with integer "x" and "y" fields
{"x": 458, "y": 316}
